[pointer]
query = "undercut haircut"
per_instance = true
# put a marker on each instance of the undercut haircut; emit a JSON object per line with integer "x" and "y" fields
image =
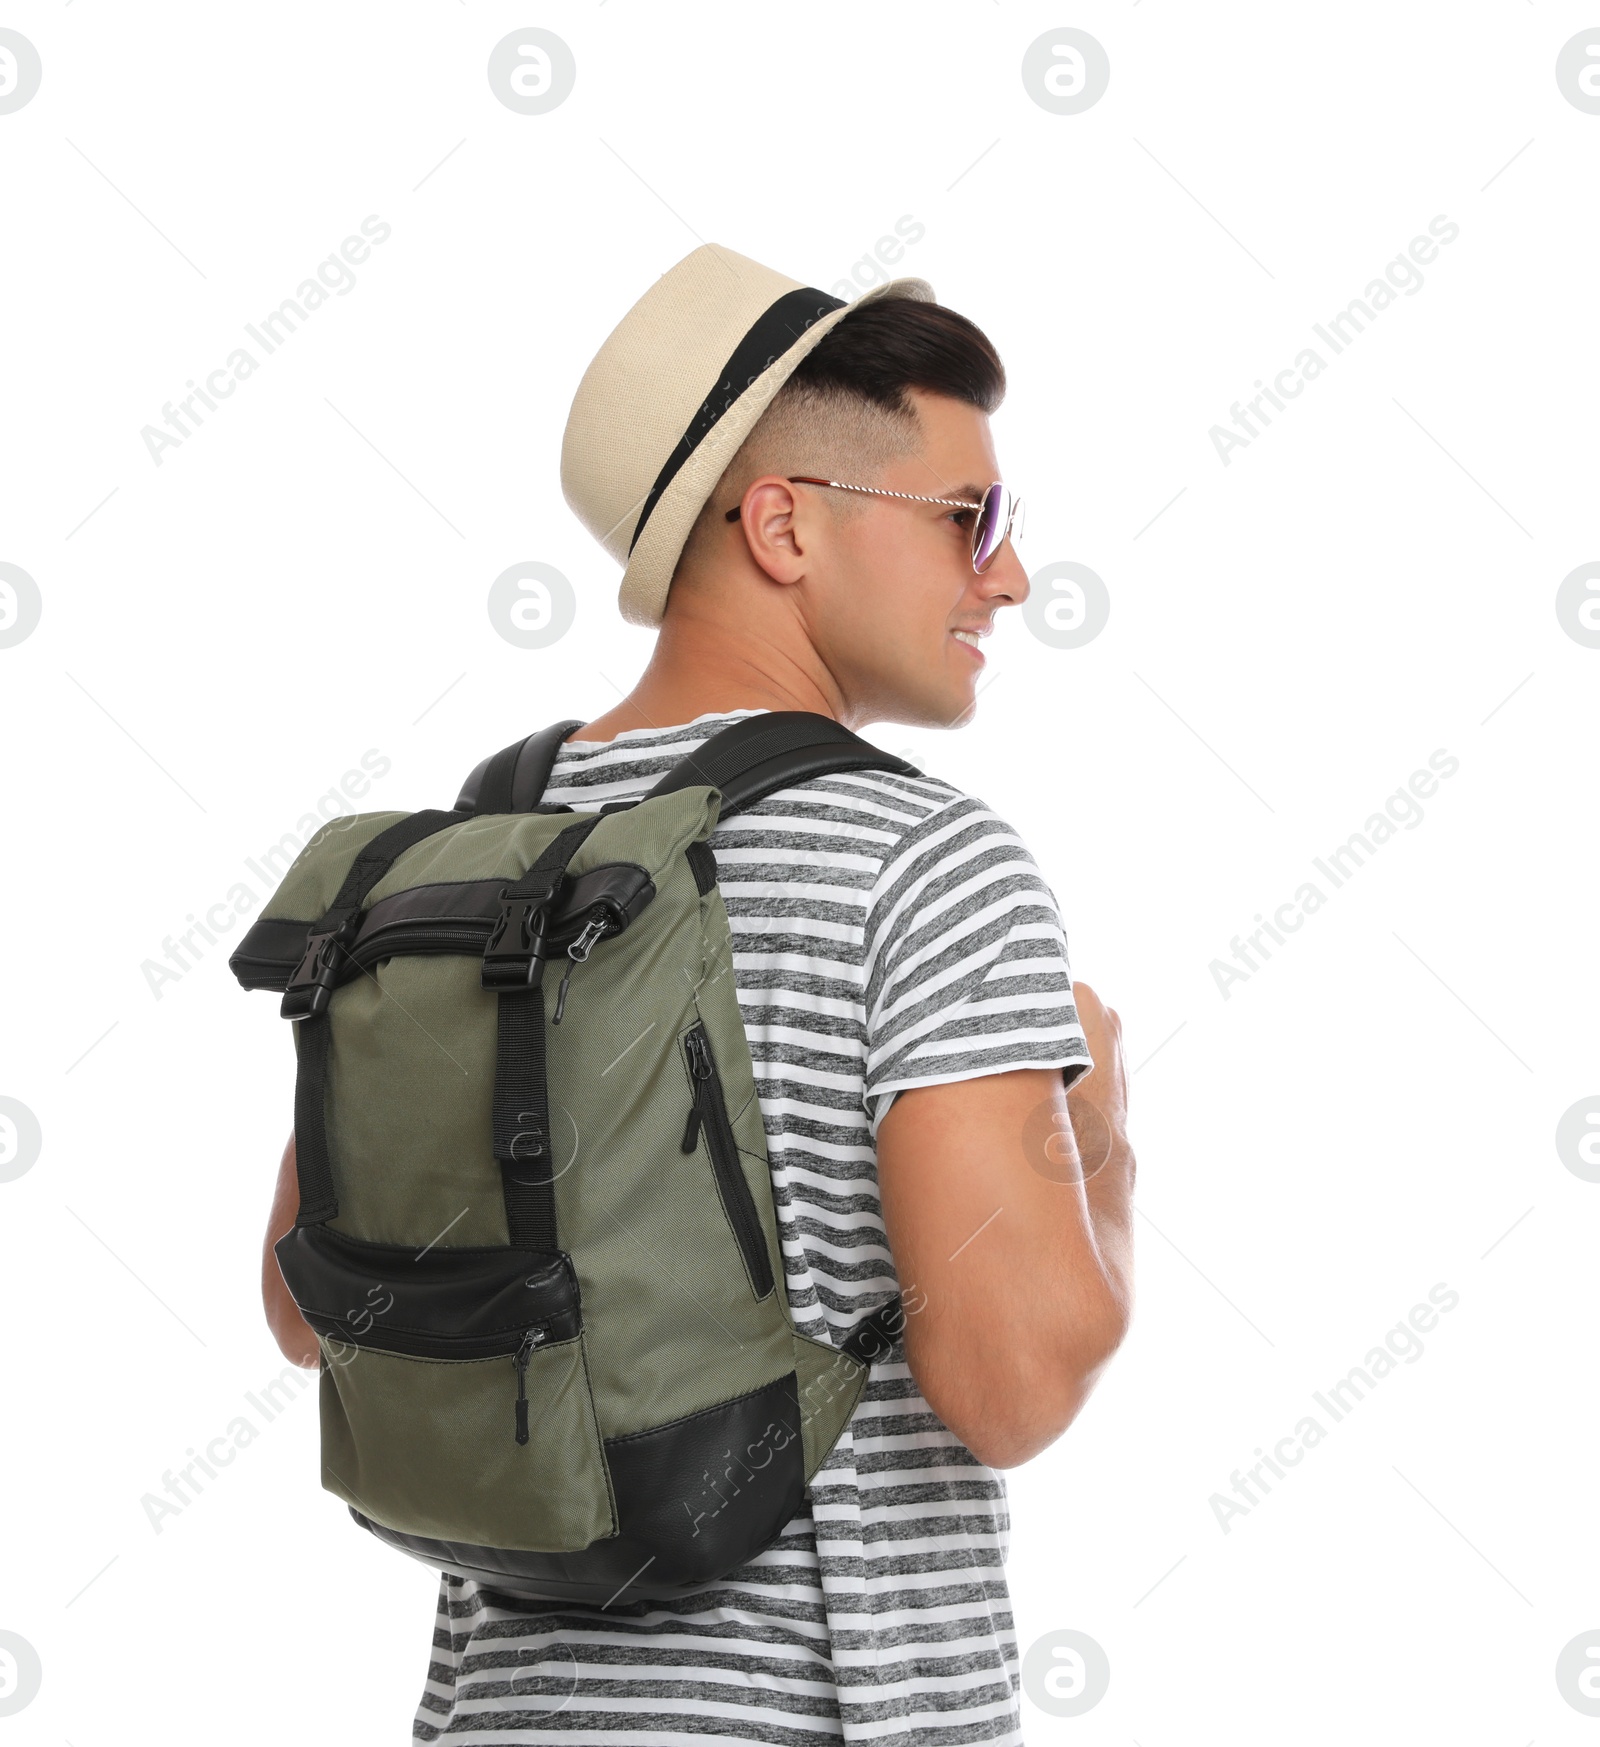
{"x": 846, "y": 412}
{"x": 878, "y": 352}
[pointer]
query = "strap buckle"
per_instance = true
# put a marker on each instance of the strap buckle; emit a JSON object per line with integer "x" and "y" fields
{"x": 872, "y": 1337}
{"x": 514, "y": 955}
{"x": 309, "y": 990}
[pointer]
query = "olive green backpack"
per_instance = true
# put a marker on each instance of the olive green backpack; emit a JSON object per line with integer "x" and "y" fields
{"x": 537, "y": 1237}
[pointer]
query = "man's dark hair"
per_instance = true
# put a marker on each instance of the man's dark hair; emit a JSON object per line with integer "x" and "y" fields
{"x": 846, "y": 411}
{"x": 880, "y": 350}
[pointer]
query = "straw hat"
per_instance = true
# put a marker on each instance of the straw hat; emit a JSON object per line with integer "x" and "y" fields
{"x": 671, "y": 395}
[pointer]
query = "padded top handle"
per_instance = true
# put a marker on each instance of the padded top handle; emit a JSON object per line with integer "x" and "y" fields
{"x": 762, "y": 754}
{"x": 514, "y": 779}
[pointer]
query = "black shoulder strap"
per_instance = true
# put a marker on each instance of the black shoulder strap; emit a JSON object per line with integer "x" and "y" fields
{"x": 514, "y": 779}
{"x": 762, "y": 754}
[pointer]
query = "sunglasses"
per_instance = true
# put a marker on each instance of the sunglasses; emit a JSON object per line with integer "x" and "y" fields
{"x": 994, "y": 513}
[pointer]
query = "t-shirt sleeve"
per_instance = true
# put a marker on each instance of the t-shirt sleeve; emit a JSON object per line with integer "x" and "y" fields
{"x": 966, "y": 961}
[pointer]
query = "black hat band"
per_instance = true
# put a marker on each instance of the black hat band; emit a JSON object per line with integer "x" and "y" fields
{"x": 774, "y": 332}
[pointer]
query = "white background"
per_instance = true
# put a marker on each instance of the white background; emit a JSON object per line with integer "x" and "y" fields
{"x": 1291, "y": 636}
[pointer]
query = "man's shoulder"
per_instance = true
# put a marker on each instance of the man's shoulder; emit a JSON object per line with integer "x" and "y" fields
{"x": 885, "y": 806}
{"x": 862, "y": 815}
{"x": 876, "y": 816}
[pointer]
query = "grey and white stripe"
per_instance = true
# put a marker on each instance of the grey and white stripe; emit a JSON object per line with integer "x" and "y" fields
{"x": 888, "y": 932}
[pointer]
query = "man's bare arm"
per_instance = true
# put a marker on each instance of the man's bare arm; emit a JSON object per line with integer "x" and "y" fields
{"x": 295, "y": 1337}
{"x": 1009, "y": 1209}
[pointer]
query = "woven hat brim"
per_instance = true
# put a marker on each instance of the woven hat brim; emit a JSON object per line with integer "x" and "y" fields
{"x": 642, "y": 596}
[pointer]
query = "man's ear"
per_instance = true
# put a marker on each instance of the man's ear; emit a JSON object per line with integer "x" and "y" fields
{"x": 769, "y": 521}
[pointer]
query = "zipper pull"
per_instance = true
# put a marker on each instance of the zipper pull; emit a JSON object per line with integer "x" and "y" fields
{"x": 524, "y": 1353}
{"x": 700, "y": 1072}
{"x": 577, "y": 954}
{"x": 561, "y": 993}
{"x": 598, "y": 925}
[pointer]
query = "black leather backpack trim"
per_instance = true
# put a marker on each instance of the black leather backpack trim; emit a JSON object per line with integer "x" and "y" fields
{"x": 623, "y": 886}
{"x": 269, "y": 952}
{"x": 388, "y": 1296}
{"x": 274, "y": 946}
{"x": 513, "y": 779}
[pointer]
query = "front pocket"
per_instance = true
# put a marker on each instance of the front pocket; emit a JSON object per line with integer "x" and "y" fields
{"x": 708, "y": 1115}
{"x": 425, "y": 1447}
{"x": 455, "y": 1392}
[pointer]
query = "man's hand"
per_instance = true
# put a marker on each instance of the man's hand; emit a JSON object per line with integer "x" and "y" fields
{"x": 1102, "y": 1029}
{"x": 1098, "y": 1106}
{"x": 296, "y": 1338}
{"x": 1014, "y": 1256}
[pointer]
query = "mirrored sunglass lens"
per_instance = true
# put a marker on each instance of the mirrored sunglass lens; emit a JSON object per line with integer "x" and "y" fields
{"x": 989, "y": 531}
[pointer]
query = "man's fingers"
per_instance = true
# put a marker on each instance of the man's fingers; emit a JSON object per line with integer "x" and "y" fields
{"x": 1091, "y": 1129}
{"x": 1102, "y": 1028}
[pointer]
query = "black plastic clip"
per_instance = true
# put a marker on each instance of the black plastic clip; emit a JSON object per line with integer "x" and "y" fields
{"x": 310, "y": 989}
{"x": 515, "y": 954}
{"x": 872, "y": 1336}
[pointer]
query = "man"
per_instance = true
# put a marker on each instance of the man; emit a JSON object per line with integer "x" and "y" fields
{"x": 803, "y": 495}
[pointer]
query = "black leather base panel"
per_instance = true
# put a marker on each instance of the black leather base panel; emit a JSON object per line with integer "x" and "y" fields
{"x": 695, "y": 1500}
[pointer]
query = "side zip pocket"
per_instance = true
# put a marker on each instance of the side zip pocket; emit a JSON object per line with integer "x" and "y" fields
{"x": 708, "y": 1114}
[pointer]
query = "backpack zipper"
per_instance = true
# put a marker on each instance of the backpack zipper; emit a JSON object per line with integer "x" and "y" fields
{"x": 520, "y": 1359}
{"x": 597, "y": 925}
{"x": 460, "y": 1347}
{"x": 500, "y": 1344}
{"x": 709, "y": 1112}
{"x": 466, "y": 936}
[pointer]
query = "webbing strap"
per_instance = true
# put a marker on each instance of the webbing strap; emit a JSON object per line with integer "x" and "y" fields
{"x": 380, "y": 855}
{"x": 318, "y": 1202}
{"x": 317, "y": 1199}
{"x": 523, "y": 1143}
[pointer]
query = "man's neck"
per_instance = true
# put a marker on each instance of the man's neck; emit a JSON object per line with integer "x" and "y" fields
{"x": 701, "y": 668}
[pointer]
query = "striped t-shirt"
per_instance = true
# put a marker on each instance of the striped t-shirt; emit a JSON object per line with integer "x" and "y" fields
{"x": 888, "y": 932}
